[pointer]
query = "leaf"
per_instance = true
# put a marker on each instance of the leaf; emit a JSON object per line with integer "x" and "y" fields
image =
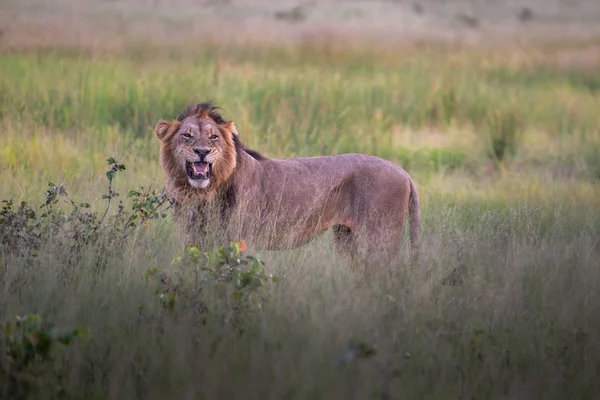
{"x": 356, "y": 351}
{"x": 257, "y": 268}
{"x": 33, "y": 319}
{"x": 84, "y": 205}
{"x": 237, "y": 295}
{"x": 366, "y": 350}
{"x": 111, "y": 160}
{"x": 66, "y": 339}
{"x": 110, "y": 175}
{"x": 133, "y": 193}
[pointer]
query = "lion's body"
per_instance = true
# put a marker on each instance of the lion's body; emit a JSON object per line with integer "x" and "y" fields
{"x": 285, "y": 203}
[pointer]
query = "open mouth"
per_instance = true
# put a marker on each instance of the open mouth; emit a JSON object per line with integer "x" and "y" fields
{"x": 198, "y": 170}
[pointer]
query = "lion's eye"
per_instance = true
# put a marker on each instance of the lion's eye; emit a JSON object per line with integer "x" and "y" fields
{"x": 213, "y": 137}
{"x": 187, "y": 135}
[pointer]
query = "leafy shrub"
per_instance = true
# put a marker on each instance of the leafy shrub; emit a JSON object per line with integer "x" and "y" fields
{"x": 23, "y": 229}
{"x": 222, "y": 284}
{"x": 27, "y": 347}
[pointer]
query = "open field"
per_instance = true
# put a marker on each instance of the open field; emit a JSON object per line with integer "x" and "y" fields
{"x": 501, "y": 135}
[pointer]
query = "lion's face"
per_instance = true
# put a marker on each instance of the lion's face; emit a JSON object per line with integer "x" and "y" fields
{"x": 196, "y": 146}
{"x": 199, "y": 149}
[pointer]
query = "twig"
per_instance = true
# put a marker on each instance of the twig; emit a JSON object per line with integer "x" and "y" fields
{"x": 114, "y": 168}
{"x": 110, "y": 192}
{"x": 127, "y": 233}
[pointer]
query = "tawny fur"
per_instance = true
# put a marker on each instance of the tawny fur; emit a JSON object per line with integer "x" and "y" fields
{"x": 285, "y": 203}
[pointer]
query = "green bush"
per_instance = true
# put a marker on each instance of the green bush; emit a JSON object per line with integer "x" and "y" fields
{"x": 224, "y": 286}
{"x": 24, "y": 229}
{"x": 27, "y": 349}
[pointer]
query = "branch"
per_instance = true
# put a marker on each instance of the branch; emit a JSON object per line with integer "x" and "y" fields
{"x": 126, "y": 233}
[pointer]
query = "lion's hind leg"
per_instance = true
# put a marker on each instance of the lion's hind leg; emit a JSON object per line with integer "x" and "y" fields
{"x": 376, "y": 247}
{"x": 356, "y": 256}
{"x": 345, "y": 243}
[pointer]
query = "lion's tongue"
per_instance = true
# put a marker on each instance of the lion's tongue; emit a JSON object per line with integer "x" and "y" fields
{"x": 200, "y": 168}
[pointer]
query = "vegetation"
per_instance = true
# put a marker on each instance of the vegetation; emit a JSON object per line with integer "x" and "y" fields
{"x": 502, "y": 303}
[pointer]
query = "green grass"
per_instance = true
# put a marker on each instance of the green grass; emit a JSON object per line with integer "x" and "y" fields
{"x": 298, "y": 109}
{"x": 502, "y": 303}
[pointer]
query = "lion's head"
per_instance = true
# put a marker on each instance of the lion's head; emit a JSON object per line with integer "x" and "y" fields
{"x": 198, "y": 149}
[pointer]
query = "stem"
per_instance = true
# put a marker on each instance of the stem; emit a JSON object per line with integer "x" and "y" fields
{"x": 110, "y": 193}
{"x": 123, "y": 235}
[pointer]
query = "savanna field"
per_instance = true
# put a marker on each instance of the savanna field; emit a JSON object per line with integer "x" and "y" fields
{"x": 98, "y": 299}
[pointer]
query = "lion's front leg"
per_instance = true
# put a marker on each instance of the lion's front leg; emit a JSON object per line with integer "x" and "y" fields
{"x": 193, "y": 226}
{"x": 201, "y": 229}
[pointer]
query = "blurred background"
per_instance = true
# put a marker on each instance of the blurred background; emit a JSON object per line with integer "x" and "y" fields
{"x": 110, "y": 23}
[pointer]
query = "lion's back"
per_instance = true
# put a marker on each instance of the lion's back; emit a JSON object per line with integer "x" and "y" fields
{"x": 360, "y": 173}
{"x": 346, "y": 162}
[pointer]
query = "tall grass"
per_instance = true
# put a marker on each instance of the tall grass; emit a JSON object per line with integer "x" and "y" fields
{"x": 501, "y": 304}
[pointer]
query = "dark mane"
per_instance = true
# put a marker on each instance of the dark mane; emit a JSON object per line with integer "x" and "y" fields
{"x": 240, "y": 146}
{"x": 208, "y": 109}
{"x": 203, "y": 110}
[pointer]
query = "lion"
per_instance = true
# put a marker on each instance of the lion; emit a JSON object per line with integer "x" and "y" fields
{"x": 218, "y": 186}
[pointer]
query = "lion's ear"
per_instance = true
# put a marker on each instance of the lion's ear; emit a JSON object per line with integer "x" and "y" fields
{"x": 231, "y": 127}
{"x": 162, "y": 128}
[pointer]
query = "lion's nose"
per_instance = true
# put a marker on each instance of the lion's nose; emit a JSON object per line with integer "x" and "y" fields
{"x": 201, "y": 152}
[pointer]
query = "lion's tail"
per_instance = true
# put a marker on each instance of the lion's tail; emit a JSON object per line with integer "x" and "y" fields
{"x": 414, "y": 213}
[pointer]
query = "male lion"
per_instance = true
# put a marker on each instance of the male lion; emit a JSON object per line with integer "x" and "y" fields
{"x": 220, "y": 187}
